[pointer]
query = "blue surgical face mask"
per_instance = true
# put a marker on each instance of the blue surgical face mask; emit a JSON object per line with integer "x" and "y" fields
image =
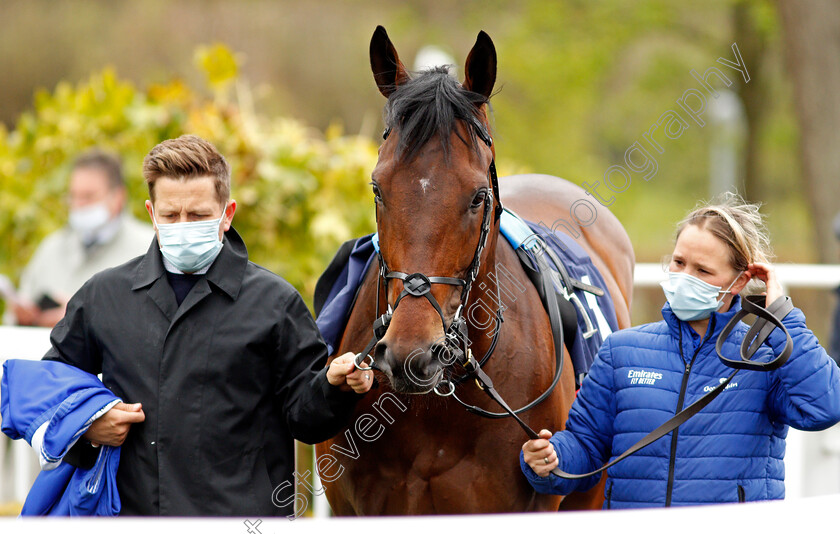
{"x": 692, "y": 299}
{"x": 190, "y": 246}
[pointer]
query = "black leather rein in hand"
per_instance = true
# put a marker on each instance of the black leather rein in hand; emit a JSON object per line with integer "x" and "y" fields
{"x": 419, "y": 285}
{"x": 767, "y": 320}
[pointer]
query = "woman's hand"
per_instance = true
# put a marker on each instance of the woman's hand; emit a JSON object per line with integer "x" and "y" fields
{"x": 767, "y": 274}
{"x": 540, "y": 454}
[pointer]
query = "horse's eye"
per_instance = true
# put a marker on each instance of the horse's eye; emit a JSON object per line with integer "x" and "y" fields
{"x": 377, "y": 194}
{"x": 479, "y": 199}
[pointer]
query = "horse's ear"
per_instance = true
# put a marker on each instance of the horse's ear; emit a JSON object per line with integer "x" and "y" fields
{"x": 481, "y": 66}
{"x": 387, "y": 69}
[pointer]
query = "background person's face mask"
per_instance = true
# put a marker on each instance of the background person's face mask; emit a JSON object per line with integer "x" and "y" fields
{"x": 692, "y": 299}
{"x": 87, "y": 221}
{"x": 190, "y": 246}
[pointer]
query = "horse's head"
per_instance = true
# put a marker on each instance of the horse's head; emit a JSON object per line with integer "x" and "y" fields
{"x": 436, "y": 206}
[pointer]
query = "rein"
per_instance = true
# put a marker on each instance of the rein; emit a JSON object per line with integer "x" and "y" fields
{"x": 456, "y": 335}
{"x": 767, "y": 320}
{"x": 420, "y": 285}
{"x": 457, "y": 341}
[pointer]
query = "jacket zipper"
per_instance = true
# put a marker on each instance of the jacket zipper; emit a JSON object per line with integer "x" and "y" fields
{"x": 680, "y": 401}
{"x": 742, "y": 494}
{"x": 609, "y": 494}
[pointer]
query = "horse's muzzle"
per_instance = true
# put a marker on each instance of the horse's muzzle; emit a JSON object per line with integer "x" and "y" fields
{"x": 417, "y": 372}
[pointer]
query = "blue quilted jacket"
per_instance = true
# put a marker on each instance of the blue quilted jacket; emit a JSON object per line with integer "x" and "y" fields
{"x": 731, "y": 451}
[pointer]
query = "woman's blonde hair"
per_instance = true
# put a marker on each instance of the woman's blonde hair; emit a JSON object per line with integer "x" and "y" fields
{"x": 737, "y": 223}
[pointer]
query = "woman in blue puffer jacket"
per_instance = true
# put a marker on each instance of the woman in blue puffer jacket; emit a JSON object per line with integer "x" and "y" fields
{"x": 733, "y": 449}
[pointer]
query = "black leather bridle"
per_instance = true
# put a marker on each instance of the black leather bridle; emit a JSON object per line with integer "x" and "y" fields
{"x": 457, "y": 338}
{"x": 419, "y": 285}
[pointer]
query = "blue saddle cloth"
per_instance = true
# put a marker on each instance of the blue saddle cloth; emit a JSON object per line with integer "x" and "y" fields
{"x": 353, "y": 261}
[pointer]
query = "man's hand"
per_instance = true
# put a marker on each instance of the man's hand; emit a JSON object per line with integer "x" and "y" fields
{"x": 112, "y": 428}
{"x": 343, "y": 373}
{"x": 540, "y": 454}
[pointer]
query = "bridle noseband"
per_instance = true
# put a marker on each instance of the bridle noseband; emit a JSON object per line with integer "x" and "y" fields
{"x": 419, "y": 285}
{"x": 456, "y": 341}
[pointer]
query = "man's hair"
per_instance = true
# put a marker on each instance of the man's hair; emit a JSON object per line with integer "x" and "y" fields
{"x": 184, "y": 158}
{"x": 107, "y": 163}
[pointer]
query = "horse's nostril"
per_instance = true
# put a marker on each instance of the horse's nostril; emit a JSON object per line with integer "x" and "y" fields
{"x": 442, "y": 353}
{"x": 380, "y": 349}
{"x": 382, "y": 357}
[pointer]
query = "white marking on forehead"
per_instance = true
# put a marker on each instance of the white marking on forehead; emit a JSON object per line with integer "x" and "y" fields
{"x": 424, "y": 182}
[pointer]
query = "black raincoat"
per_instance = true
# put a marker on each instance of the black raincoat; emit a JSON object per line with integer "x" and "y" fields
{"x": 227, "y": 380}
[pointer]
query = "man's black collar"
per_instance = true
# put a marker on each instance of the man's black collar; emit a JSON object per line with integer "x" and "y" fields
{"x": 226, "y": 272}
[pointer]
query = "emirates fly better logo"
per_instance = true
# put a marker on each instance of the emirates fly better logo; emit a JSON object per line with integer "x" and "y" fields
{"x": 643, "y": 378}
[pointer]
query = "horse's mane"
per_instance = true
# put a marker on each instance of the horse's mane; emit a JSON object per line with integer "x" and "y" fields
{"x": 429, "y": 104}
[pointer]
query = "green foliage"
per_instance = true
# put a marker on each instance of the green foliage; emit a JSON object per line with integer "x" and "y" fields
{"x": 300, "y": 192}
{"x": 219, "y": 65}
{"x": 577, "y": 84}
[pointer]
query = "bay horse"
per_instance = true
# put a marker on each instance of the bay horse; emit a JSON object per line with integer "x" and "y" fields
{"x": 408, "y": 452}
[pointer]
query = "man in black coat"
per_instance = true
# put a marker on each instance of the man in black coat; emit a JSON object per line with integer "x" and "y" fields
{"x": 220, "y": 359}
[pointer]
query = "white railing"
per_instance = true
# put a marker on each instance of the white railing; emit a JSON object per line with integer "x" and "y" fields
{"x": 812, "y": 459}
{"x": 813, "y": 276}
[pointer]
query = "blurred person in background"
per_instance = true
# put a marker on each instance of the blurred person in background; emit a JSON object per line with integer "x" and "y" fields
{"x": 99, "y": 234}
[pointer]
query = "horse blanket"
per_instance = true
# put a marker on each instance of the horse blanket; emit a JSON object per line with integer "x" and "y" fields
{"x": 338, "y": 287}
